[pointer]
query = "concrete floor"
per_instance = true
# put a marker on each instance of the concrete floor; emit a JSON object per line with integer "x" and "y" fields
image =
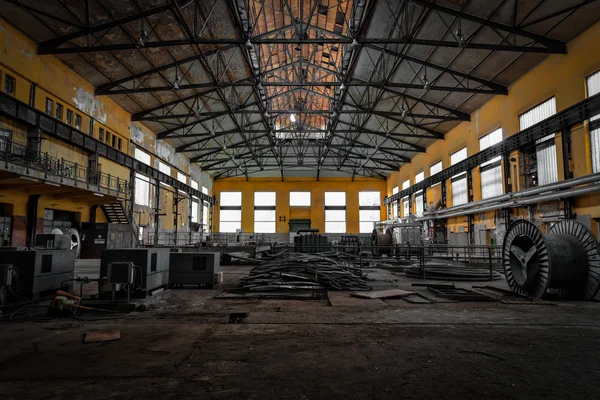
{"x": 343, "y": 348}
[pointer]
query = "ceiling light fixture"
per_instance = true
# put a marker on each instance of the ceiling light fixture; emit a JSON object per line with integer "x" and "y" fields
{"x": 342, "y": 86}
{"x": 460, "y": 37}
{"x": 404, "y": 111}
{"x": 426, "y": 84}
{"x": 293, "y": 117}
{"x": 354, "y": 45}
{"x": 249, "y": 45}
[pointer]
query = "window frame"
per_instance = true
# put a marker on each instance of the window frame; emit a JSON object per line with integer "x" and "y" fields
{"x": 271, "y": 206}
{"x": 78, "y": 121}
{"x": 333, "y": 208}
{"x": 58, "y": 111}
{"x": 49, "y": 106}
{"x": 365, "y": 207}
{"x": 12, "y": 81}
{"x": 300, "y": 205}
{"x": 233, "y": 207}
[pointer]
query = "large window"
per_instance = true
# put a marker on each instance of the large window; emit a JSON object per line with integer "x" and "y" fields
{"x": 165, "y": 169}
{"x": 593, "y": 87}
{"x": 264, "y": 212}
{"x": 299, "y": 199}
{"x": 491, "y": 171}
{"x": 195, "y": 201}
{"x": 545, "y": 148}
{"x": 419, "y": 195}
{"x": 230, "y": 211}
{"x": 459, "y": 182}
{"x": 369, "y": 210}
{"x": 142, "y": 182}
{"x": 395, "y": 203}
{"x": 335, "y": 212}
{"x": 205, "y": 216}
{"x": 405, "y": 202}
{"x": 434, "y": 169}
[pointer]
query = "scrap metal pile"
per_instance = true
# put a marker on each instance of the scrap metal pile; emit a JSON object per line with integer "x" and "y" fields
{"x": 300, "y": 271}
{"x": 444, "y": 270}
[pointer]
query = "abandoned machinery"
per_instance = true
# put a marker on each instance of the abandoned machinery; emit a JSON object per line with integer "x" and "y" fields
{"x": 565, "y": 259}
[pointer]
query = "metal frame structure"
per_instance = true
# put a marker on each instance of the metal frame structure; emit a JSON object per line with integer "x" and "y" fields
{"x": 370, "y": 83}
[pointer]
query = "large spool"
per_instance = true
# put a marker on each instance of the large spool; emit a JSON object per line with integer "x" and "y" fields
{"x": 566, "y": 259}
{"x": 382, "y": 243}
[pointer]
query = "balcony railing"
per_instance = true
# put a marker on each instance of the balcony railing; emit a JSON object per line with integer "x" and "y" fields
{"x": 31, "y": 159}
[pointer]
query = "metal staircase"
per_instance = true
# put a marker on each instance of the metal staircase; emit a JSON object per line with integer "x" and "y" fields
{"x": 116, "y": 213}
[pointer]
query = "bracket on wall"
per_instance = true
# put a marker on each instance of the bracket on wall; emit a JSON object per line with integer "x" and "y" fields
{"x": 282, "y": 218}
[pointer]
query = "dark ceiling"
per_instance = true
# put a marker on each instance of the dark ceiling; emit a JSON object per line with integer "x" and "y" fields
{"x": 370, "y": 83}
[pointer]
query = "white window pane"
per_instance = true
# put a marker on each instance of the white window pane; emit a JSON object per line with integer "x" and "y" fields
{"x": 538, "y": 113}
{"x": 164, "y": 168}
{"x": 299, "y": 199}
{"x": 182, "y": 177}
{"x": 142, "y": 190}
{"x": 142, "y": 156}
{"x": 395, "y": 190}
{"x": 459, "y": 156}
{"x": 229, "y": 227}
{"x": 593, "y": 88}
{"x": 490, "y": 139}
{"x": 419, "y": 205}
{"x": 366, "y": 227}
{"x": 369, "y": 199}
{"x": 264, "y": 227}
{"x": 195, "y": 206}
{"x": 395, "y": 209}
{"x": 205, "y": 190}
{"x": 459, "y": 192}
{"x": 369, "y": 215}
{"x": 546, "y": 164}
{"x": 264, "y": 198}
{"x": 406, "y": 184}
{"x": 231, "y": 199}
{"x": 264, "y": 215}
{"x": 491, "y": 182}
{"x": 435, "y": 168}
{"x": 205, "y": 217}
{"x": 419, "y": 177}
{"x": 335, "y": 215}
{"x": 231, "y": 215}
{"x": 335, "y": 227}
{"x": 595, "y": 141}
{"x": 335, "y": 198}
{"x": 405, "y": 207}
{"x": 194, "y": 184}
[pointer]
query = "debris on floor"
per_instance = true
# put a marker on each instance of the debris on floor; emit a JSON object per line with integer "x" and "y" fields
{"x": 102, "y": 336}
{"x": 299, "y": 271}
{"x": 383, "y": 294}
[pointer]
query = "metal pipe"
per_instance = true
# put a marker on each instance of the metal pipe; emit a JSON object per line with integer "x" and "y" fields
{"x": 522, "y": 202}
{"x": 524, "y": 193}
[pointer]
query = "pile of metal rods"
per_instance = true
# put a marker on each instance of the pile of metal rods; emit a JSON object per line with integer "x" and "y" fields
{"x": 300, "y": 271}
{"x": 451, "y": 271}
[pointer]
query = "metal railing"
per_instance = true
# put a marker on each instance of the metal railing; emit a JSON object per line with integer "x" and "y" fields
{"x": 32, "y": 159}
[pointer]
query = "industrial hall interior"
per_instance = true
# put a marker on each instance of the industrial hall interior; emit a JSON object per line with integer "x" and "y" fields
{"x": 299, "y": 199}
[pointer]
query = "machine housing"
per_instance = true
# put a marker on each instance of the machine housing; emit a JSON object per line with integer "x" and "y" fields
{"x": 152, "y": 265}
{"x": 201, "y": 269}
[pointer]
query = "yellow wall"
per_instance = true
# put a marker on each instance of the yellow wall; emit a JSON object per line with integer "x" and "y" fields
{"x": 316, "y": 212}
{"x": 563, "y": 76}
{"x": 56, "y": 82}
